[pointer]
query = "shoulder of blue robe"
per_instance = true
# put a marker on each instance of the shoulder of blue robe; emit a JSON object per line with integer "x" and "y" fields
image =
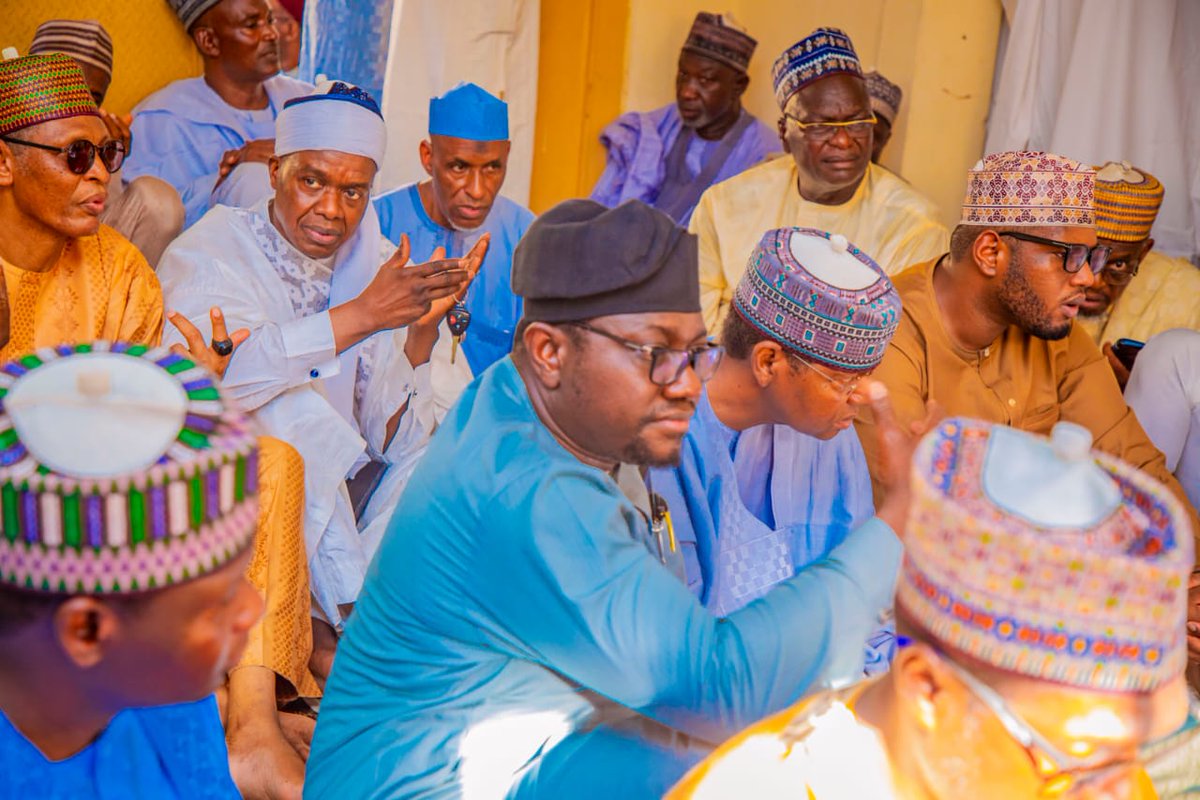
{"x": 193, "y": 100}
{"x": 165, "y": 752}
{"x": 637, "y": 143}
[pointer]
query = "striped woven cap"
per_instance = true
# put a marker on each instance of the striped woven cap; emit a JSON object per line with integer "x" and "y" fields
{"x": 84, "y": 40}
{"x": 719, "y": 37}
{"x": 885, "y": 96}
{"x": 1127, "y": 202}
{"x": 189, "y": 11}
{"x": 40, "y": 88}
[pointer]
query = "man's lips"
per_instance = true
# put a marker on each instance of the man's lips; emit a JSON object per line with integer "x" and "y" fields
{"x": 1071, "y": 307}
{"x": 95, "y": 204}
{"x": 321, "y": 235}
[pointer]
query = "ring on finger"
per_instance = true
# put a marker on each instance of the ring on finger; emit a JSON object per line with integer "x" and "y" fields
{"x": 222, "y": 347}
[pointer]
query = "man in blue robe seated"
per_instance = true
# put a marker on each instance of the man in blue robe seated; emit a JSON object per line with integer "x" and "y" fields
{"x": 466, "y": 157}
{"x": 772, "y": 476}
{"x": 669, "y": 156}
{"x": 129, "y": 504}
{"x": 211, "y": 137}
{"x": 520, "y": 632}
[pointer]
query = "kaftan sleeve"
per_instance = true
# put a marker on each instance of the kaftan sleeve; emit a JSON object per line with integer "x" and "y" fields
{"x": 166, "y": 147}
{"x": 596, "y": 607}
{"x": 386, "y": 384}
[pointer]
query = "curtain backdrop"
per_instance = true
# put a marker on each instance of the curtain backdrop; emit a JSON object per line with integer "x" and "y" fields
{"x": 1109, "y": 80}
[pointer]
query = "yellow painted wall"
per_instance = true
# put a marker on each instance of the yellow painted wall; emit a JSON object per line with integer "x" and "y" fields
{"x": 942, "y": 52}
{"x": 150, "y": 48}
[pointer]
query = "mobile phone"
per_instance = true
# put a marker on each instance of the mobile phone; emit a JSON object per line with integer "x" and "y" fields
{"x": 1126, "y": 351}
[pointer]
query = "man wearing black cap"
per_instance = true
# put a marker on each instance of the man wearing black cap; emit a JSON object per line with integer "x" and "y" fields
{"x": 520, "y": 632}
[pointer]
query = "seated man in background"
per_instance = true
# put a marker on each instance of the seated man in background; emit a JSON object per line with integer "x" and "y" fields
{"x": 885, "y": 103}
{"x": 518, "y": 634}
{"x": 309, "y": 275}
{"x": 772, "y": 477}
{"x": 1043, "y": 613}
{"x": 146, "y": 211}
{"x": 466, "y": 157}
{"x": 68, "y": 278}
{"x": 829, "y": 183}
{"x": 115, "y": 603}
{"x": 211, "y": 137}
{"x": 987, "y": 329}
{"x": 669, "y": 156}
{"x": 1141, "y": 292}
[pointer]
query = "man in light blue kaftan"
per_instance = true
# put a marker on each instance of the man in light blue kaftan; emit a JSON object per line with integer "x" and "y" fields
{"x": 519, "y": 633}
{"x": 466, "y": 157}
{"x": 771, "y": 478}
{"x": 210, "y": 137}
{"x": 669, "y": 156}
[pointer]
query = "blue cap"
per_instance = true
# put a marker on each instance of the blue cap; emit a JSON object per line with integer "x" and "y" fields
{"x": 469, "y": 112}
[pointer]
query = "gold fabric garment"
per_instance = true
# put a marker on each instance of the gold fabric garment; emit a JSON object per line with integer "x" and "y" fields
{"x": 1019, "y": 380}
{"x": 886, "y": 218}
{"x": 1164, "y": 295}
{"x": 101, "y": 288}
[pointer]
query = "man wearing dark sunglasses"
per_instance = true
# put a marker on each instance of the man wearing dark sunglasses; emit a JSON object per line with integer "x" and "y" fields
{"x": 988, "y": 329}
{"x": 146, "y": 211}
{"x": 522, "y": 632}
{"x": 1040, "y": 612}
{"x": 1141, "y": 292}
{"x": 211, "y": 137}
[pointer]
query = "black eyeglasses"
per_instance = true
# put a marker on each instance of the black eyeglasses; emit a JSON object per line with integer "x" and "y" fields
{"x": 667, "y": 365}
{"x": 1074, "y": 255}
{"x": 81, "y": 154}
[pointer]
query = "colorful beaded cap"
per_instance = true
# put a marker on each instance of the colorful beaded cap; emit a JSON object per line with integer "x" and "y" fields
{"x": 1024, "y": 188}
{"x": 1127, "y": 201}
{"x": 845, "y": 328}
{"x": 825, "y": 51}
{"x": 1101, "y": 607}
{"x": 36, "y": 89}
{"x": 190, "y": 509}
{"x": 885, "y": 96}
{"x": 718, "y": 37}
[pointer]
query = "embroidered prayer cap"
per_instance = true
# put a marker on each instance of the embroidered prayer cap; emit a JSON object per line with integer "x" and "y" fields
{"x": 189, "y": 11}
{"x": 84, "y": 40}
{"x": 469, "y": 112}
{"x": 1029, "y": 188}
{"x": 40, "y": 88}
{"x": 337, "y": 116}
{"x": 824, "y": 52}
{"x": 122, "y": 469}
{"x": 581, "y": 260}
{"x": 720, "y": 38}
{"x": 820, "y": 297}
{"x": 1127, "y": 201}
{"x": 885, "y": 96}
{"x": 1041, "y": 557}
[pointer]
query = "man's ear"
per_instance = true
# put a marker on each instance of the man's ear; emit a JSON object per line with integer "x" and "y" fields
{"x": 1147, "y": 246}
{"x": 8, "y": 166}
{"x": 781, "y": 127}
{"x": 426, "y": 153}
{"x": 766, "y": 360}
{"x": 86, "y": 628}
{"x": 206, "y": 41}
{"x": 927, "y": 688}
{"x": 990, "y": 257}
{"x": 546, "y": 347}
{"x": 274, "y": 171}
{"x": 740, "y": 82}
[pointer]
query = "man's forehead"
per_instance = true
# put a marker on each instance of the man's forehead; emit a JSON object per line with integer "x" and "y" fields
{"x": 832, "y": 94}
{"x": 1072, "y": 234}
{"x": 675, "y": 326}
{"x": 694, "y": 62}
{"x": 64, "y": 131}
{"x": 468, "y": 149}
{"x": 346, "y": 166}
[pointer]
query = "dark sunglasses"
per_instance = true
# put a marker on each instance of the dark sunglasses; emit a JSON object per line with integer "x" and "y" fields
{"x": 81, "y": 154}
{"x": 667, "y": 365}
{"x": 1074, "y": 255}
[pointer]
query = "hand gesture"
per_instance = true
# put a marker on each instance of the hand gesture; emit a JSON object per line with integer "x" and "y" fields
{"x": 471, "y": 262}
{"x": 896, "y": 448}
{"x": 259, "y": 150}
{"x": 400, "y": 295}
{"x": 201, "y": 351}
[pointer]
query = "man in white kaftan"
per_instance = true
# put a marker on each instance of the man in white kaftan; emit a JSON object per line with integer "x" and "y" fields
{"x": 341, "y": 393}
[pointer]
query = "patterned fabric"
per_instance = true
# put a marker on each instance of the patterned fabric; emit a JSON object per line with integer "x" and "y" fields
{"x": 1100, "y": 607}
{"x": 82, "y": 39}
{"x": 346, "y": 38}
{"x": 825, "y": 51}
{"x": 101, "y": 288}
{"x": 885, "y": 96}
{"x": 829, "y": 309}
{"x": 469, "y": 112}
{"x": 1029, "y": 188}
{"x": 191, "y": 10}
{"x": 719, "y": 37}
{"x": 1127, "y": 201}
{"x": 187, "y": 514}
{"x": 37, "y": 89}
{"x": 308, "y": 280}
